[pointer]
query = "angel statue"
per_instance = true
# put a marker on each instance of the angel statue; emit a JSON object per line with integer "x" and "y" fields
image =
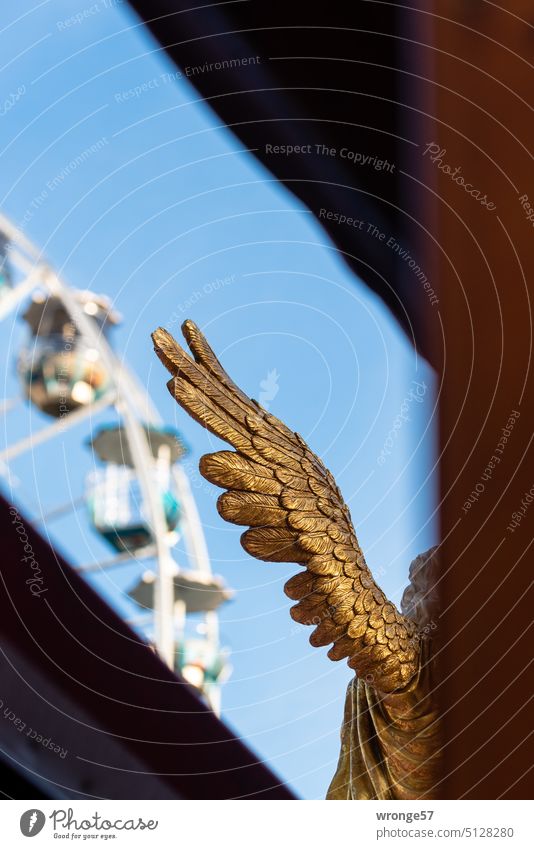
{"x": 390, "y": 738}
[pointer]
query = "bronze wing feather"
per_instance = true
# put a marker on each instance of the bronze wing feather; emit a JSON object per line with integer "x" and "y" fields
{"x": 295, "y": 513}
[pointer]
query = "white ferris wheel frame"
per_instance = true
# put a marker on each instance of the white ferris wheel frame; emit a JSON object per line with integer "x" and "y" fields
{"x": 135, "y": 408}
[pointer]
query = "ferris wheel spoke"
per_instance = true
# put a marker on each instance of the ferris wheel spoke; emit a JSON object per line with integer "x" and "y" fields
{"x": 22, "y": 290}
{"x": 57, "y": 427}
{"x": 61, "y": 510}
{"x": 8, "y": 404}
{"x": 146, "y": 553}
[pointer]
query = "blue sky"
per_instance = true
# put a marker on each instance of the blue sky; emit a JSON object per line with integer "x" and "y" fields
{"x": 165, "y": 204}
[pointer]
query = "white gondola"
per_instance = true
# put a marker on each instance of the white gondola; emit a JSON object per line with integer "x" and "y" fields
{"x": 203, "y": 665}
{"x": 59, "y": 371}
{"x": 114, "y": 495}
{"x": 198, "y": 657}
{"x": 197, "y": 593}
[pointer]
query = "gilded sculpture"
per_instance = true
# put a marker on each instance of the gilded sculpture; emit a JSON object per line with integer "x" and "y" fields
{"x": 277, "y": 487}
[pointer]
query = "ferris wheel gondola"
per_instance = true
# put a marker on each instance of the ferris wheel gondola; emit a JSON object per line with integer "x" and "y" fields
{"x": 138, "y": 498}
{"x": 59, "y": 371}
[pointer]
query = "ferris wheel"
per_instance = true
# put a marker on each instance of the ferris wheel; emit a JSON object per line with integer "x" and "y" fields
{"x": 138, "y": 498}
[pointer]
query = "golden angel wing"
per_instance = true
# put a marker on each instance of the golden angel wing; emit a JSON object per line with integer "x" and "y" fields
{"x": 295, "y": 513}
